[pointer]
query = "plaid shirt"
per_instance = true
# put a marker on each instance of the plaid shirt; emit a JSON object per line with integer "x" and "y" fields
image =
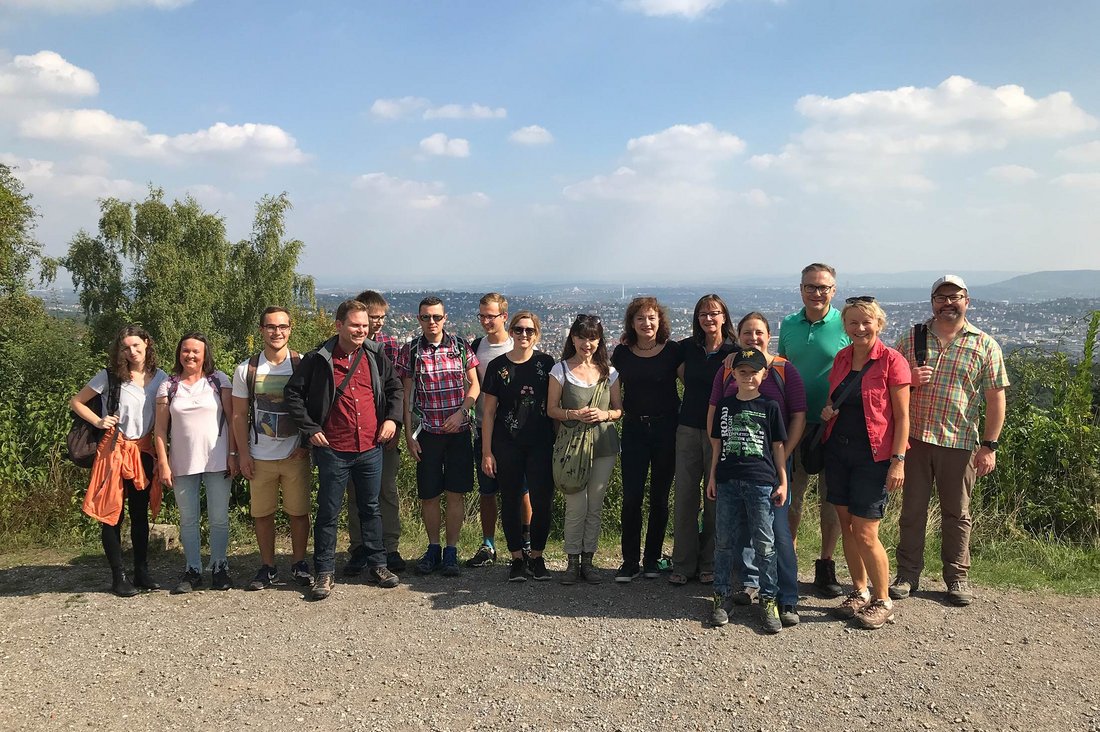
{"x": 439, "y": 377}
{"x": 389, "y": 345}
{"x": 945, "y": 411}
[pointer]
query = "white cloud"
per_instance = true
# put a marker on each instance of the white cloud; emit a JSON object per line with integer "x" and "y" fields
{"x": 1080, "y": 181}
{"x": 531, "y": 135}
{"x": 92, "y": 6}
{"x": 45, "y": 178}
{"x": 440, "y": 144}
{"x": 690, "y": 9}
{"x": 45, "y": 73}
{"x": 420, "y": 195}
{"x": 397, "y": 108}
{"x": 1012, "y": 173}
{"x": 468, "y": 111}
{"x": 1088, "y": 152}
{"x": 686, "y": 150}
{"x": 104, "y": 132}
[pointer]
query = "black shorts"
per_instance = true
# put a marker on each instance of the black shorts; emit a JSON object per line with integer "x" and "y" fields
{"x": 446, "y": 464}
{"x": 854, "y": 479}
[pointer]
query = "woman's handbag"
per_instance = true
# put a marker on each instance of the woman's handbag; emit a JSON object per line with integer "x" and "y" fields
{"x": 574, "y": 449}
{"x": 83, "y": 438}
{"x": 812, "y": 449}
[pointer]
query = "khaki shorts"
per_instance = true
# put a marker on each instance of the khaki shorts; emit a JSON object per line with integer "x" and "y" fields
{"x": 294, "y": 474}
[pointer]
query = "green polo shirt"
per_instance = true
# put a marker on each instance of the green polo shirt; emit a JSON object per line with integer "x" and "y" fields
{"x": 811, "y": 348}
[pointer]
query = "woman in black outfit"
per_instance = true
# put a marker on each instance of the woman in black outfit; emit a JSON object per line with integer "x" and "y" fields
{"x": 647, "y": 364}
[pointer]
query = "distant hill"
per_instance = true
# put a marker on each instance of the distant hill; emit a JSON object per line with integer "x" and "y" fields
{"x": 1040, "y": 286}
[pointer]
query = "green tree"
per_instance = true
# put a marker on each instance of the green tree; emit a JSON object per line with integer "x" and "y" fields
{"x": 18, "y": 248}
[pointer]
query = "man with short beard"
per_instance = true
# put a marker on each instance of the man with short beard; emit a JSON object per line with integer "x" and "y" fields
{"x": 962, "y": 366}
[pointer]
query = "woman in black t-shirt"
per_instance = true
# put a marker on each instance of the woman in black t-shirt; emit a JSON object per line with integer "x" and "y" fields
{"x": 517, "y": 442}
{"x": 647, "y": 362}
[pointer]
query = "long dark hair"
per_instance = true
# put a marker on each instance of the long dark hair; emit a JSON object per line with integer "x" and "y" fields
{"x": 207, "y": 353}
{"x": 697, "y": 333}
{"x": 116, "y": 359}
{"x": 589, "y": 328}
{"x": 664, "y": 329}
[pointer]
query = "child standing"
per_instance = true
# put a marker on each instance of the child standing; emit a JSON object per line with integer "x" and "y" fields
{"x": 748, "y": 479}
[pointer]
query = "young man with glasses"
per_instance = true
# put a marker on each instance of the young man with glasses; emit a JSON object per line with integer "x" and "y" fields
{"x": 271, "y": 452}
{"x": 955, "y": 368}
{"x": 810, "y": 339}
{"x": 439, "y": 371}
{"x": 388, "y": 499}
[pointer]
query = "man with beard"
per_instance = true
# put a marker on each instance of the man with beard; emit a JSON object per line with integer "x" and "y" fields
{"x": 955, "y": 366}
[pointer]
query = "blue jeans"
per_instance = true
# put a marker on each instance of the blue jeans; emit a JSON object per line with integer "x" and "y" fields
{"x": 744, "y": 510}
{"x": 217, "y": 512}
{"x": 786, "y": 559}
{"x": 334, "y": 469}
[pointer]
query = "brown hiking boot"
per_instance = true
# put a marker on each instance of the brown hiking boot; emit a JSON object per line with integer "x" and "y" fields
{"x": 852, "y": 604}
{"x": 322, "y": 587}
{"x": 959, "y": 594}
{"x": 875, "y": 614}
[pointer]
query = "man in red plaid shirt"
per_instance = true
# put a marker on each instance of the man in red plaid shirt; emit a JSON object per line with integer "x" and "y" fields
{"x": 439, "y": 371}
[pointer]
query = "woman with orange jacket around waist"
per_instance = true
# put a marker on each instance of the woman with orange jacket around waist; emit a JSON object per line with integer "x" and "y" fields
{"x": 866, "y": 436}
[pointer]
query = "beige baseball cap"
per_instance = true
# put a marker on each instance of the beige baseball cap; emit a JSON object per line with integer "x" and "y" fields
{"x": 949, "y": 279}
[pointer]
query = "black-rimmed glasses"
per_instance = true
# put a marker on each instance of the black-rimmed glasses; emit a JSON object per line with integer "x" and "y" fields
{"x": 817, "y": 289}
{"x": 942, "y": 299}
{"x": 281, "y": 327}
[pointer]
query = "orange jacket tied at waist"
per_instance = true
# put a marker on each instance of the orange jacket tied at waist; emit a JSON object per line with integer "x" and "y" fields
{"x": 118, "y": 459}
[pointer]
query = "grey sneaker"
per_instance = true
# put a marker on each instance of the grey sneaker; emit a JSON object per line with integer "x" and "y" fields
{"x": 718, "y": 614}
{"x": 959, "y": 594}
{"x": 745, "y": 596}
{"x": 852, "y": 604}
{"x": 769, "y": 615}
{"x": 902, "y": 588}
{"x": 788, "y": 615}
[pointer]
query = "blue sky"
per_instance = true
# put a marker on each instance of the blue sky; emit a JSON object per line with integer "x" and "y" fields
{"x": 639, "y": 140}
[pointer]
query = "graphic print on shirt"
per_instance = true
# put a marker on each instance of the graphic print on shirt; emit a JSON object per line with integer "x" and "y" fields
{"x": 743, "y": 433}
{"x": 272, "y": 419}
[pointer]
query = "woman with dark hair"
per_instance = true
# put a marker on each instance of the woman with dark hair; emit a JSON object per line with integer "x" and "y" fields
{"x": 194, "y": 407}
{"x": 575, "y": 397}
{"x": 647, "y": 365}
{"x": 127, "y": 389}
{"x": 712, "y": 339}
{"x": 517, "y": 442}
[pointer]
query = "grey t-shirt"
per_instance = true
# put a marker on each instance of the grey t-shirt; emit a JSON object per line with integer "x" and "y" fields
{"x": 136, "y": 405}
{"x": 485, "y": 353}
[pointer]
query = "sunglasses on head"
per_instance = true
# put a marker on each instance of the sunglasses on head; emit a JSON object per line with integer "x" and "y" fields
{"x": 431, "y": 316}
{"x": 521, "y": 331}
{"x": 585, "y": 316}
{"x": 859, "y": 298}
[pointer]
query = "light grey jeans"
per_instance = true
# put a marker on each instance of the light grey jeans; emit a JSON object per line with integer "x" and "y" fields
{"x": 584, "y": 509}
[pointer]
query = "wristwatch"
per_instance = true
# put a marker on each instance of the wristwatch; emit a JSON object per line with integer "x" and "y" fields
{"x": 898, "y": 456}
{"x": 991, "y": 444}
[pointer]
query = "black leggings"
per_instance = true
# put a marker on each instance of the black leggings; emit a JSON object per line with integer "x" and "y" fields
{"x": 517, "y": 464}
{"x": 649, "y": 446}
{"x": 139, "y": 522}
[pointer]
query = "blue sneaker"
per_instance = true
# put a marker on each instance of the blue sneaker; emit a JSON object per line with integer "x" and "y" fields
{"x": 431, "y": 560}
{"x": 450, "y": 562}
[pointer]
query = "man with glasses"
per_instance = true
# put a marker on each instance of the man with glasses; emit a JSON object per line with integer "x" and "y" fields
{"x": 955, "y": 366}
{"x": 810, "y": 339}
{"x": 439, "y": 371}
{"x": 271, "y": 453}
{"x": 389, "y": 501}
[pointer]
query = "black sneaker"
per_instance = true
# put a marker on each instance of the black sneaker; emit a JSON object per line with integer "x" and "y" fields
{"x": 191, "y": 580}
{"x": 301, "y": 574}
{"x": 650, "y": 570}
{"x": 628, "y": 572}
{"x": 483, "y": 557}
{"x": 537, "y": 567}
{"x": 788, "y": 615}
{"x": 382, "y": 577}
{"x": 219, "y": 579}
{"x": 517, "y": 572}
{"x": 356, "y": 563}
{"x": 264, "y": 577}
{"x": 825, "y": 578}
{"x": 769, "y": 615}
{"x": 395, "y": 562}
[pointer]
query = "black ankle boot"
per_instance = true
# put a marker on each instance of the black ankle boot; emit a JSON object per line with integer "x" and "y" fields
{"x": 825, "y": 578}
{"x": 120, "y": 585}
{"x": 143, "y": 579}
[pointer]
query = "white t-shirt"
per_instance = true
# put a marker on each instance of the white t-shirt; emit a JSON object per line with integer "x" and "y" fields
{"x": 276, "y": 435}
{"x": 136, "y": 405}
{"x": 486, "y": 352}
{"x": 195, "y": 443}
{"x": 561, "y": 374}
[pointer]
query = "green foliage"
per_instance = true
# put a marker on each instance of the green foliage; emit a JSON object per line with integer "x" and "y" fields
{"x": 18, "y": 248}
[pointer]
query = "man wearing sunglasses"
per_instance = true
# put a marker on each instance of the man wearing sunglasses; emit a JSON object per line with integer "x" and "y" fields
{"x": 810, "y": 339}
{"x": 955, "y": 366}
{"x": 439, "y": 371}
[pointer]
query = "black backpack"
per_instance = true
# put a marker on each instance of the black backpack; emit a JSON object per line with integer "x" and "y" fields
{"x": 83, "y": 439}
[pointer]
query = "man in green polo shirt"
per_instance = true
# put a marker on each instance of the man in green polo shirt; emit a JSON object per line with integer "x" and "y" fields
{"x": 810, "y": 339}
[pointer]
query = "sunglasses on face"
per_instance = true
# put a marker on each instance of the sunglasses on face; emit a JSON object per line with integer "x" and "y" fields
{"x": 433, "y": 317}
{"x": 376, "y": 318}
{"x": 521, "y": 331}
{"x": 859, "y": 298}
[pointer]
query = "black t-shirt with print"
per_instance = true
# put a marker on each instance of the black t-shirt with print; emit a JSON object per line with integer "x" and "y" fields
{"x": 746, "y": 431}
{"x": 520, "y": 389}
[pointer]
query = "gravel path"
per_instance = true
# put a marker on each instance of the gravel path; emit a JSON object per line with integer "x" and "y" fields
{"x": 479, "y": 653}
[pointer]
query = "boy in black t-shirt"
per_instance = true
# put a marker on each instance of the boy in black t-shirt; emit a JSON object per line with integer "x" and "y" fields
{"x": 748, "y": 478}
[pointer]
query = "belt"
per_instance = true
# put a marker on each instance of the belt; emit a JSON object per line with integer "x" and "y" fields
{"x": 648, "y": 418}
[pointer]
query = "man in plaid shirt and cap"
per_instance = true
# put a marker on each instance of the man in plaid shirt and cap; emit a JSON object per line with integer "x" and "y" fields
{"x": 953, "y": 372}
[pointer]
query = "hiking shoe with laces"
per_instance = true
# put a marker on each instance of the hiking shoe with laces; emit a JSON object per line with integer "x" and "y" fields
{"x": 825, "y": 578}
{"x": 788, "y": 615}
{"x": 627, "y": 572}
{"x": 517, "y": 572}
{"x": 382, "y": 577}
{"x": 264, "y": 577}
{"x": 431, "y": 561}
{"x": 395, "y": 562}
{"x": 219, "y": 579}
{"x": 875, "y": 614}
{"x": 902, "y": 588}
{"x": 191, "y": 580}
{"x": 769, "y": 615}
{"x": 301, "y": 574}
{"x": 323, "y": 585}
{"x": 588, "y": 571}
{"x": 483, "y": 557}
{"x": 718, "y": 614}
{"x": 121, "y": 585}
{"x": 959, "y": 594}
{"x": 745, "y": 596}
{"x": 450, "y": 562}
{"x": 537, "y": 567}
{"x": 852, "y": 604}
{"x": 572, "y": 573}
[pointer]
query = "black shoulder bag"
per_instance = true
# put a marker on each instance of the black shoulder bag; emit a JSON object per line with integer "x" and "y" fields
{"x": 83, "y": 438}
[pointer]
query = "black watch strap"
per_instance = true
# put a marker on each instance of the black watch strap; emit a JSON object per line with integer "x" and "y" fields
{"x": 991, "y": 444}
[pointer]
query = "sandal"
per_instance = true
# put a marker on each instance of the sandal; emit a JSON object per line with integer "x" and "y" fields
{"x": 677, "y": 579}
{"x": 706, "y": 578}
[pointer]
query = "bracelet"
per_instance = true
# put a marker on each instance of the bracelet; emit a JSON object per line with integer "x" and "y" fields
{"x": 234, "y": 454}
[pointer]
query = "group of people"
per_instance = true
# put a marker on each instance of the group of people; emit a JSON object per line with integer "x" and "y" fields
{"x": 738, "y": 446}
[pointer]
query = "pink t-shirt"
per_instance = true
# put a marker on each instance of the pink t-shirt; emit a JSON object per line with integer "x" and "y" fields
{"x": 199, "y": 438}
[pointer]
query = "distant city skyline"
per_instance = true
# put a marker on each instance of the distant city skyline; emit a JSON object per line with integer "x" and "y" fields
{"x": 616, "y": 140}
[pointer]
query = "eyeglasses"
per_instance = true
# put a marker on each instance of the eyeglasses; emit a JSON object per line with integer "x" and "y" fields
{"x": 710, "y": 315}
{"x": 817, "y": 289}
{"x": 487, "y": 318}
{"x": 520, "y": 331}
{"x": 436, "y": 317}
{"x": 376, "y": 317}
{"x": 941, "y": 299}
{"x": 859, "y": 298}
{"x": 281, "y": 327}
{"x": 585, "y": 316}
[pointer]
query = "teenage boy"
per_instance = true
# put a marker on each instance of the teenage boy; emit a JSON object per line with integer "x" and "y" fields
{"x": 346, "y": 400}
{"x": 439, "y": 372}
{"x": 748, "y": 478}
{"x": 388, "y": 499}
{"x": 492, "y": 313}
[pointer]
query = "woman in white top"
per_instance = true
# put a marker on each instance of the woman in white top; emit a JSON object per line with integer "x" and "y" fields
{"x": 194, "y": 407}
{"x": 570, "y": 399}
{"x": 127, "y": 389}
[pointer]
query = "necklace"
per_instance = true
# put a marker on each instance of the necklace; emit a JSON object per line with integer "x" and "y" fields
{"x": 655, "y": 344}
